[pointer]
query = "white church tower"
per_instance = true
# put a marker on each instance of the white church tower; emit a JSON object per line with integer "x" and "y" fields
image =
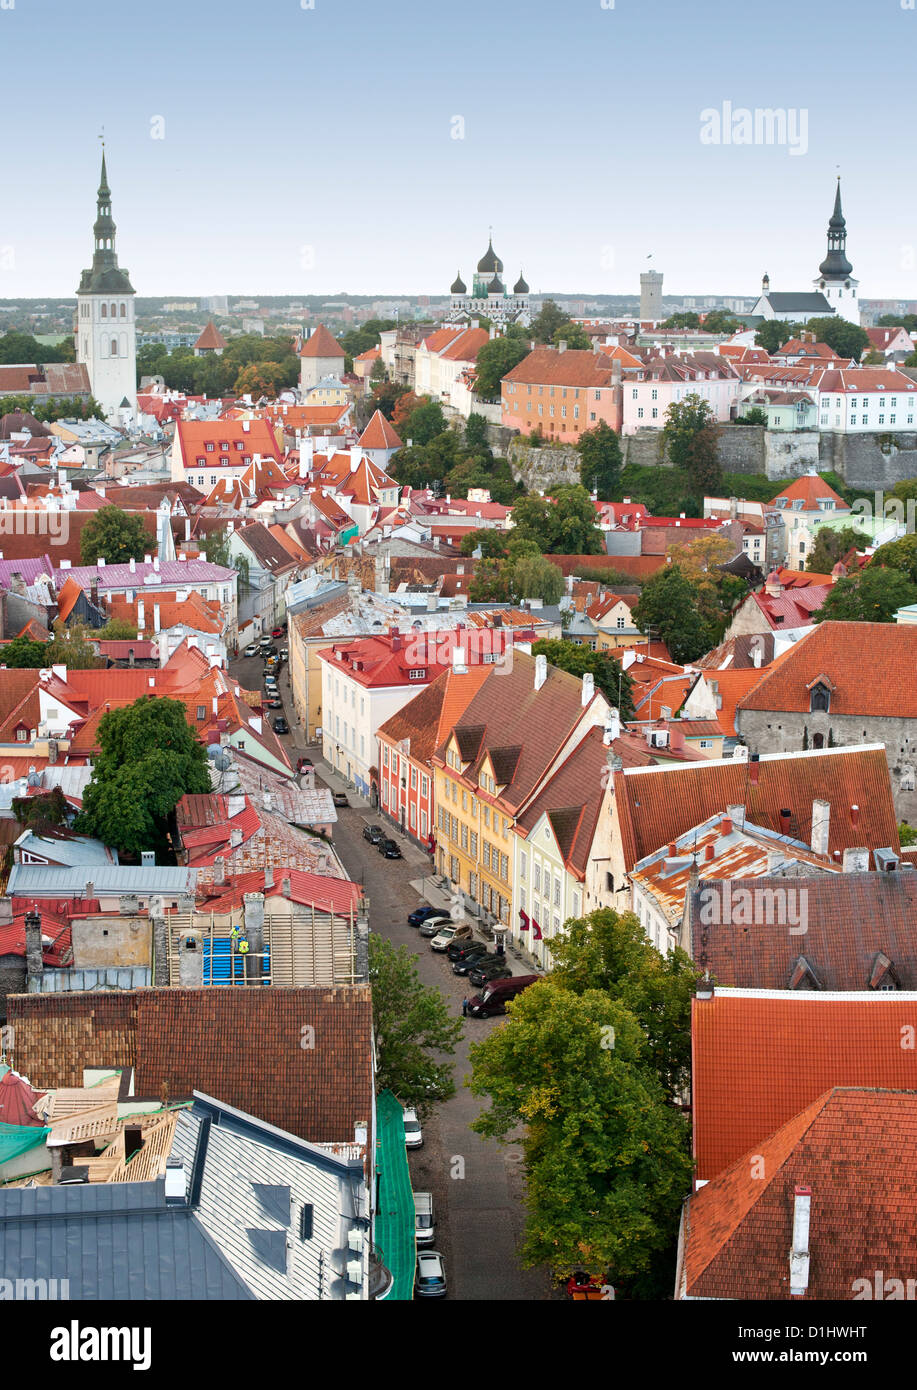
{"x": 106, "y": 335}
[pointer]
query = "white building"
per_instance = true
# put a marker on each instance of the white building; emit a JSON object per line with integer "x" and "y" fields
{"x": 105, "y": 333}
{"x": 866, "y": 399}
{"x": 834, "y": 290}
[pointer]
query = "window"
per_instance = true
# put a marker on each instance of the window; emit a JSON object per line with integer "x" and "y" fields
{"x": 104, "y": 312}
{"x": 640, "y": 412}
{"x": 423, "y": 824}
{"x": 487, "y": 816}
{"x": 557, "y": 891}
{"x": 464, "y": 837}
{"x": 385, "y": 755}
{"x": 547, "y": 883}
{"x": 114, "y": 347}
{"x": 424, "y": 786}
{"x": 522, "y": 863}
{"x": 413, "y": 779}
{"x": 417, "y": 673}
{"x": 473, "y": 846}
{"x": 464, "y": 799}
{"x": 486, "y": 854}
{"x": 201, "y": 713}
{"x": 820, "y": 699}
{"x": 504, "y": 867}
{"x": 536, "y": 877}
{"x": 124, "y": 311}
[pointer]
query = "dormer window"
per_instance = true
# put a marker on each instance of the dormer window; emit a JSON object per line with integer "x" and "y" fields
{"x": 819, "y": 699}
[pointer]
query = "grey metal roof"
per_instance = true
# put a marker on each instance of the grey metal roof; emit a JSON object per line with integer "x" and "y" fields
{"x": 76, "y": 981}
{"x": 112, "y": 1241}
{"x": 36, "y": 880}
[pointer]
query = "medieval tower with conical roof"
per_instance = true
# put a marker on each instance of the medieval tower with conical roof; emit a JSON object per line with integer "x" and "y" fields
{"x": 106, "y": 334}
{"x": 835, "y": 274}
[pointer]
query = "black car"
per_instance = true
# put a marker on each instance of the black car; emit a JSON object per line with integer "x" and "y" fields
{"x": 281, "y": 726}
{"x": 340, "y": 798}
{"x": 483, "y": 971}
{"x": 465, "y": 964}
{"x": 389, "y": 849}
{"x": 457, "y": 949}
{"x": 373, "y": 833}
{"x": 420, "y": 914}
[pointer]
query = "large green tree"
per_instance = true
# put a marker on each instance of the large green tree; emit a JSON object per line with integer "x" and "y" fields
{"x": 773, "y": 333}
{"x": 425, "y": 422}
{"x": 607, "y": 1159}
{"x": 610, "y": 678}
{"x": 846, "y": 339}
{"x": 149, "y": 759}
{"x": 562, "y": 526}
{"x": 574, "y": 336}
{"x": 414, "y": 1027}
{"x": 547, "y": 321}
{"x": 690, "y": 436}
{"x": 495, "y": 360}
{"x": 898, "y": 555}
{"x": 600, "y": 461}
{"x": 667, "y": 609}
{"x": 535, "y": 577}
{"x": 114, "y": 536}
{"x": 872, "y": 595}
{"x": 831, "y": 546}
{"x": 490, "y": 542}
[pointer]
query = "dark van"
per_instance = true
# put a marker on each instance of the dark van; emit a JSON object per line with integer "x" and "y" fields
{"x": 493, "y": 997}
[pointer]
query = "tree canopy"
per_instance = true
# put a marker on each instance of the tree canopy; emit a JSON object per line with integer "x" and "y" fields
{"x": 494, "y": 361}
{"x": 114, "y": 536}
{"x": 872, "y": 595}
{"x": 414, "y": 1028}
{"x": 600, "y": 461}
{"x": 668, "y": 610}
{"x": 149, "y": 759}
{"x": 690, "y": 435}
{"x": 831, "y": 546}
{"x": 564, "y": 526}
{"x": 614, "y": 682}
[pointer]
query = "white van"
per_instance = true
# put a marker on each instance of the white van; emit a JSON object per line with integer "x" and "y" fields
{"x": 424, "y": 1224}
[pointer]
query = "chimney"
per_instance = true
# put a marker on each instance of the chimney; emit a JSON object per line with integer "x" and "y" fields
{"x": 235, "y": 837}
{"x": 856, "y": 861}
{"x": 785, "y": 817}
{"x": 612, "y": 727}
{"x": 254, "y": 931}
{"x": 141, "y": 617}
{"x": 432, "y": 603}
{"x": 34, "y": 960}
{"x": 726, "y": 826}
{"x": 753, "y": 765}
{"x": 133, "y": 565}
{"x": 285, "y": 887}
{"x": 89, "y": 891}
{"x": 155, "y": 617}
{"x": 673, "y": 850}
{"x": 219, "y": 871}
{"x": 799, "y": 1255}
{"x": 541, "y": 671}
{"x": 268, "y": 876}
{"x": 709, "y": 853}
{"x": 821, "y": 816}
{"x": 562, "y": 345}
{"x": 588, "y": 688}
{"x": 854, "y": 815}
{"x": 458, "y": 660}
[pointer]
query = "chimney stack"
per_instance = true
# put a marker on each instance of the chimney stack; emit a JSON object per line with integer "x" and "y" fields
{"x": 588, "y": 689}
{"x": 799, "y": 1255}
{"x": 821, "y": 816}
{"x": 34, "y": 959}
{"x": 541, "y": 671}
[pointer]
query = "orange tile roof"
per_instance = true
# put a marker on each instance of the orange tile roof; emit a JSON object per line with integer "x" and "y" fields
{"x": 811, "y": 489}
{"x": 211, "y": 338}
{"x": 759, "y": 1058}
{"x": 656, "y": 805}
{"x": 380, "y": 433}
{"x": 255, "y": 435}
{"x": 321, "y": 344}
{"x": 548, "y": 366}
{"x": 732, "y": 686}
{"x": 853, "y": 1149}
{"x": 844, "y": 652}
{"x": 427, "y": 719}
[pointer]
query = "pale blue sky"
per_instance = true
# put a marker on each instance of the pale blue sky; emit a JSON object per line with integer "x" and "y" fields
{"x": 310, "y": 151}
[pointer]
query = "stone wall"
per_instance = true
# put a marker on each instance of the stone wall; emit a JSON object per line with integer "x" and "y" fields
{"x": 538, "y": 468}
{"x": 789, "y": 454}
{"x": 874, "y": 460}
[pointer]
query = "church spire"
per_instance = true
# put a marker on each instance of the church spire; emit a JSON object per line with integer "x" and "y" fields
{"x": 104, "y": 275}
{"x": 836, "y": 266}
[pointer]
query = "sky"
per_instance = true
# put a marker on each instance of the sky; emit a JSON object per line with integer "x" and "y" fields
{"x": 366, "y": 146}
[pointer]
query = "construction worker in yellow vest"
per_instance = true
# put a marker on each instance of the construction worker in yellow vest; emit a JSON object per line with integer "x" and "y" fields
{"x": 243, "y": 948}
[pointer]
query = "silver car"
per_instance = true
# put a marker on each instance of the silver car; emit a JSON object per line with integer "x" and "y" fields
{"x": 430, "y": 1279}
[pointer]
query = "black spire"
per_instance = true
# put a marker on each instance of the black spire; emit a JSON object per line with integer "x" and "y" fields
{"x": 836, "y": 266}
{"x": 104, "y": 276}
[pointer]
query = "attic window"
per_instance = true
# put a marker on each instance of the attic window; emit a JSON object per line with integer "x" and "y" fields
{"x": 820, "y": 699}
{"x": 306, "y": 1216}
{"x": 417, "y": 673}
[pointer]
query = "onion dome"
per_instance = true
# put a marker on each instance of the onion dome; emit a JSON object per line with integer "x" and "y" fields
{"x": 520, "y": 286}
{"x": 458, "y": 285}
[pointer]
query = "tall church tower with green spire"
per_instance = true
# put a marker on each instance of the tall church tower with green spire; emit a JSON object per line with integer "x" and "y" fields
{"x": 106, "y": 334}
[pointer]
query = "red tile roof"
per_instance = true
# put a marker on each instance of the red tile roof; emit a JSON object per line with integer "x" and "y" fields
{"x": 572, "y": 799}
{"x": 810, "y": 489}
{"x": 211, "y": 338}
{"x": 853, "y": 1150}
{"x": 427, "y": 719}
{"x": 547, "y": 366}
{"x": 656, "y": 805}
{"x": 322, "y": 344}
{"x": 380, "y": 433}
{"x": 761, "y": 1058}
{"x": 843, "y": 652}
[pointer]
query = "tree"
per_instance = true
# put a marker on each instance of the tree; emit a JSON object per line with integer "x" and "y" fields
{"x": 17, "y": 347}
{"x": 720, "y": 321}
{"x": 149, "y": 759}
{"x": 690, "y": 434}
{"x": 261, "y": 379}
{"x": 575, "y": 337}
{"x": 564, "y": 525}
{"x": 898, "y": 555}
{"x": 773, "y": 333}
{"x": 846, "y": 339}
{"x": 215, "y": 546}
{"x": 668, "y": 610}
{"x": 425, "y": 422}
{"x": 533, "y": 576}
{"x": 73, "y": 645}
{"x": 491, "y": 582}
{"x": 607, "y": 1160}
{"x": 716, "y": 593}
{"x": 600, "y": 461}
{"x": 413, "y": 1027}
{"x": 906, "y": 321}
{"x": 378, "y": 371}
{"x": 547, "y": 321}
{"x": 756, "y": 416}
{"x": 403, "y": 409}
{"x": 476, "y": 438}
{"x": 24, "y": 653}
{"x": 684, "y": 320}
{"x": 872, "y": 595}
{"x": 614, "y": 682}
{"x": 386, "y": 396}
{"x": 831, "y": 546}
{"x": 907, "y": 834}
{"x": 495, "y": 360}
{"x": 114, "y": 536}
{"x": 48, "y": 808}
{"x": 490, "y": 542}
{"x": 117, "y": 630}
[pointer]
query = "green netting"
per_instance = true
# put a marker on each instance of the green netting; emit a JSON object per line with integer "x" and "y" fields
{"x": 395, "y": 1242}
{"x": 18, "y": 1139}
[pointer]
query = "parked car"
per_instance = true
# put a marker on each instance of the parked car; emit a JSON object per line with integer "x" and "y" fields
{"x": 465, "y": 964}
{"x": 458, "y": 950}
{"x": 389, "y": 849}
{"x": 489, "y": 968}
{"x": 270, "y": 685}
{"x": 373, "y": 833}
{"x": 274, "y": 702}
{"x": 303, "y": 764}
{"x": 420, "y": 914}
{"x": 277, "y": 632}
{"x": 459, "y": 931}
{"x": 413, "y": 1134}
{"x": 340, "y": 798}
{"x": 492, "y": 999}
{"x": 284, "y": 654}
{"x": 424, "y": 1224}
{"x": 280, "y": 725}
{"x": 265, "y": 646}
{"x": 430, "y": 1279}
{"x": 251, "y": 649}
{"x": 432, "y": 926}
